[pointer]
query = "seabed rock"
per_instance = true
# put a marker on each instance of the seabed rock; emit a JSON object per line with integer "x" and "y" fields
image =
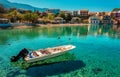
{"x": 97, "y": 70}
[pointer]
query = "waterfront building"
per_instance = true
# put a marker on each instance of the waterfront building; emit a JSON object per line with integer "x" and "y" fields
{"x": 84, "y": 13}
{"x": 115, "y": 14}
{"x": 54, "y": 11}
{"x": 106, "y": 20}
{"x": 75, "y": 20}
{"x": 94, "y": 20}
{"x": 59, "y": 20}
{"x": 75, "y": 13}
{"x": 118, "y": 14}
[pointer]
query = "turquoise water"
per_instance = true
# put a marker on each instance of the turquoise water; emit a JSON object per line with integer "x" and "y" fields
{"x": 97, "y": 52}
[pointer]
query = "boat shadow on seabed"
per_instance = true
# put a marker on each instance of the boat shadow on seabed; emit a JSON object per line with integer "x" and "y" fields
{"x": 62, "y": 58}
{"x": 53, "y": 66}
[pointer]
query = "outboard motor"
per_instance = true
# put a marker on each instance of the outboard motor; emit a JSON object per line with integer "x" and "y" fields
{"x": 23, "y": 53}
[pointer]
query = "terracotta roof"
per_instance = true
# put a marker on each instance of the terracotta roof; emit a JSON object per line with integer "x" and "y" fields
{"x": 83, "y": 10}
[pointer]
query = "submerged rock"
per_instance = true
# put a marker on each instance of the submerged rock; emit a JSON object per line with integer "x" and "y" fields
{"x": 97, "y": 70}
{"x": 9, "y": 44}
{"x": 58, "y": 37}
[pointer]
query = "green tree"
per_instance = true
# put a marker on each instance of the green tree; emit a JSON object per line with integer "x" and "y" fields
{"x": 13, "y": 15}
{"x": 31, "y": 17}
{"x": 68, "y": 17}
{"x": 85, "y": 21}
{"x": 50, "y": 16}
{"x": 62, "y": 14}
{"x": 116, "y": 9}
{"x": 20, "y": 17}
{"x": 34, "y": 17}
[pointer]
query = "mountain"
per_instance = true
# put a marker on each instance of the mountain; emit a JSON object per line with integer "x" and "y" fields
{"x": 8, "y": 4}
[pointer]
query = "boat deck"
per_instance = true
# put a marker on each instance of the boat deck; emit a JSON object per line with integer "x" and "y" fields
{"x": 48, "y": 51}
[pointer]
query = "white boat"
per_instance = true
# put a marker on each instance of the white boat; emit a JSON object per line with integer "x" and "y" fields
{"x": 4, "y": 22}
{"x": 47, "y": 53}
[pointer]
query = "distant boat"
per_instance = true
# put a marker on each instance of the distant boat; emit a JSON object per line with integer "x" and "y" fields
{"x": 47, "y": 53}
{"x": 4, "y": 22}
{"x": 42, "y": 54}
{"x": 5, "y": 25}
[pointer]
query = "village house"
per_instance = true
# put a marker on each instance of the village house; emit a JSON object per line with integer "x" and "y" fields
{"x": 106, "y": 20}
{"x": 75, "y": 13}
{"x": 76, "y": 20}
{"x": 59, "y": 20}
{"x": 118, "y": 14}
{"x": 84, "y": 14}
{"x": 115, "y": 14}
{"x": 94, "y": 20}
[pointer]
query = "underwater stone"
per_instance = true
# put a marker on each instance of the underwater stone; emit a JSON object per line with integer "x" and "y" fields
{"x": 96, "y": 70}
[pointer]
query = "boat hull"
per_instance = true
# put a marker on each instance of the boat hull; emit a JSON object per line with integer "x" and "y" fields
{"x": 45, "y": 57}
{"x": 55, "y": 51}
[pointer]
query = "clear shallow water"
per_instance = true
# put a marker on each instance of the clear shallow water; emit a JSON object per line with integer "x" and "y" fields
{"x": 97, "y": 47}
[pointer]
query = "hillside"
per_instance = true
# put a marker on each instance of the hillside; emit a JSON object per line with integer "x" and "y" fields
{"x": 8, "y": 4}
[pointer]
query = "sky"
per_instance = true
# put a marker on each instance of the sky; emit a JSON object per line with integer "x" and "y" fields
{"x": 92, "y": 5}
